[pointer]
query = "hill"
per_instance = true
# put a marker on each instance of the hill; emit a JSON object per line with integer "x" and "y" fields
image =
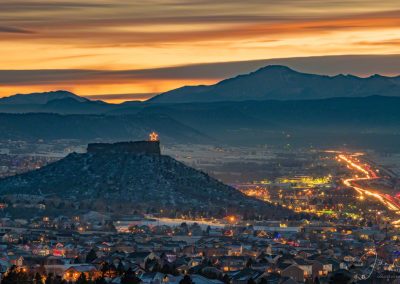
{"x": 282, "y": 83}
{"x": 61, "y": 102}
{"x": 370, "y": 122}
{"x": 125, "y": 178}
{"x": 40, "y": 98}
{"x": 35, "y": 126}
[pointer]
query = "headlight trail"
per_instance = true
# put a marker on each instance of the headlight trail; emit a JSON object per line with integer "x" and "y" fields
{"x": 368, "y": 174}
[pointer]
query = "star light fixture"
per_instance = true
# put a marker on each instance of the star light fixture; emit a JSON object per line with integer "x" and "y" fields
{"x": 153, "y": 136}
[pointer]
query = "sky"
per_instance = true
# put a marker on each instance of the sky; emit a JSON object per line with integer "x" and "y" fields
{"x": 119, "y": 50}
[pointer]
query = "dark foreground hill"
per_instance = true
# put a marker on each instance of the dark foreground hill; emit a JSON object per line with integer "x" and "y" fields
{"x": 124, "y": 179}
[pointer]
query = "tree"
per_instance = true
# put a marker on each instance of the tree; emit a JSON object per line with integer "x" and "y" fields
{"x": 249, "y": 263}
{"x": 59, "y": 280}
{"x": 130, "y": 278}
{"x": 112, "y": 270}
{"x": 152, "y": 265}
{"x": 41, "y": 269}
{"x": 263, "y": 281}
{"x": 226, "y": 279}
{"x": 100, "y": 280}
{"x": 49, "y": 279}
{"x": 309, "y": 281}
{"x": 120, "y": 268}
{"x": 13, "y": 276}
{"x": 186, "y": 280}
{"x": 37, "y": 279}
{"x": 340, "y": 278}
{"x": 104, "y": 268}
{"x": 91, "y": 256}
{"x": 82, "y": 279}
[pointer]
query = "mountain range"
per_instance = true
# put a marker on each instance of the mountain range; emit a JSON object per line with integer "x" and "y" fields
{"x": 63, "y": 102}
{"x": 273, "y": 105}
{"x": 272, "y": 82}
{"x": 40, "y": 98}
{"x": 277, "y": 82}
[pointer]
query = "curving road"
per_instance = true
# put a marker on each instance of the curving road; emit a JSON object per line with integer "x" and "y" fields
{"x": 367, "y": 174}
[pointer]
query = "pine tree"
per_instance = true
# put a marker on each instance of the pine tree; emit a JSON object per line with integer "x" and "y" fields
{"x": 37, "y": 279}
{"x": 100, "y": 280}
{"x": 82, "y": 279}
{"x": 249, "y": 263}
{"x": 49, "y": 279}
{"x": 91, "y": 256}
{"x": 120, "y": 268}
{"x": 186, "y": 280}
{"x": 104, "y": 268}
{"x": 226, "y": 279}
{"x": 130, "y": 278}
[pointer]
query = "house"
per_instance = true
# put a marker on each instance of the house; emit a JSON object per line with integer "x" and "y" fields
{"x": 243, "y": 276}
{"x": 73, "y": 272}
{"x": 349, "y": 258}
{"x": 138, "y": 257}
{"x": 272, "y": 278}
{"x": 17, "y": 260}
{"x": 294, "y": 272}
{"x": 158, "y": 278}
{"x": 232, "y": 263}
{"x": 260, "y": 266}
{"x": 235, "y": 249}
{"x": 211, "y": 251}
{"x": 288, "y": 281}
{"x": 271, "y": 258}
{"x": 321, "y": 268}
{"x": 153, "y": 277}
{"x": 216, "y": 232}
{"x": 4, "y": 266}
{"x": 64, "y": 237}
{"x": 305, "y": 265}
{"x": 198, "y": 279}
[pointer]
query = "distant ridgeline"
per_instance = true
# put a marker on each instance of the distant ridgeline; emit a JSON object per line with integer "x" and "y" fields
{"x": 136, "y": 147}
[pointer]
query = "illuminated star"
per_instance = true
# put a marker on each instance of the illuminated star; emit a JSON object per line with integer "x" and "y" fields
{"x": 153, "y": 136}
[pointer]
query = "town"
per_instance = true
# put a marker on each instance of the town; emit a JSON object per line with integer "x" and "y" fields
{"x": 345, "y": 233}
{"x": 94, "y": 248}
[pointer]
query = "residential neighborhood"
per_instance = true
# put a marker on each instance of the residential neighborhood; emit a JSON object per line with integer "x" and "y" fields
{"x": 64, "y": 250}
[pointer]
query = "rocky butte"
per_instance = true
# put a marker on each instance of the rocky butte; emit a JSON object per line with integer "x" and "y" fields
{"x": 126, "y": 176}
{"x": 135, "y": 147}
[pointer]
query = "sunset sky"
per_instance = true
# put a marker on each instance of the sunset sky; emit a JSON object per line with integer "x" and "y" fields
{"x": 126, "y": 49}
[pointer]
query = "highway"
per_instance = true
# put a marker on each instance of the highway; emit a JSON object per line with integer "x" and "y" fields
{"x": 367, "y": 173}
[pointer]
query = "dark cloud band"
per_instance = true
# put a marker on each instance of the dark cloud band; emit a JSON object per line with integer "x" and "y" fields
{"x": 362, "y": 65}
